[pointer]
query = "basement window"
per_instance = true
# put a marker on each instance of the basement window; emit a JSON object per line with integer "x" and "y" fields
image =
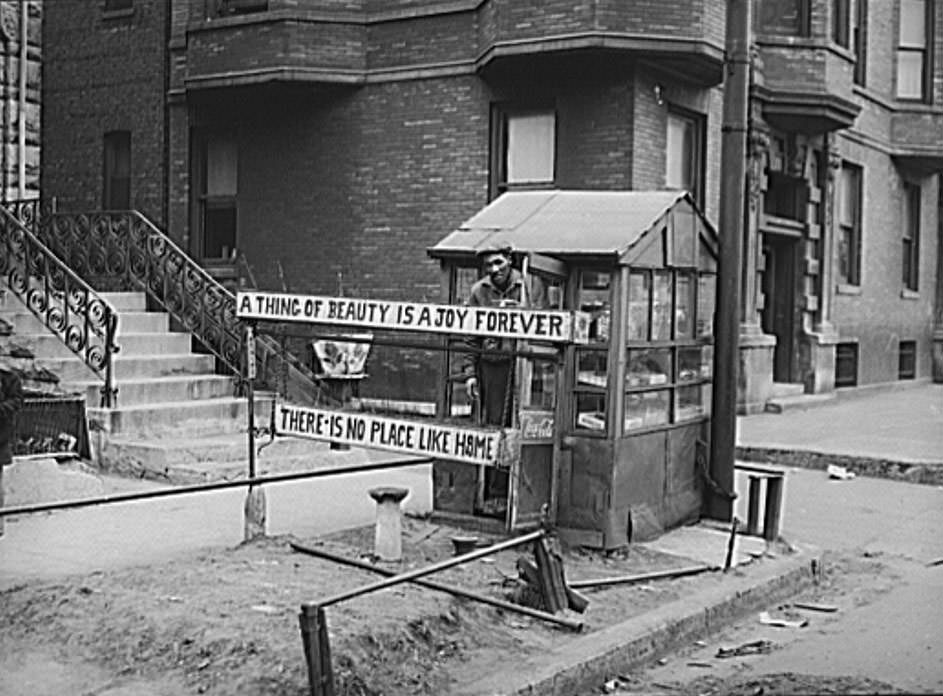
{"x": 846, "y": 365}
{"x": 907, "y": 360}
{"x": 227, "y": 8}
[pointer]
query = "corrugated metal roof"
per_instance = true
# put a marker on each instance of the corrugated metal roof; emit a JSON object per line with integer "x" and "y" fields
{"x": 566, "y": 223}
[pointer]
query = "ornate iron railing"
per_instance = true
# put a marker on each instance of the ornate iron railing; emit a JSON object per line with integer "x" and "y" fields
{"x": 63, "y": 301}
{"x": 126, "y": 251}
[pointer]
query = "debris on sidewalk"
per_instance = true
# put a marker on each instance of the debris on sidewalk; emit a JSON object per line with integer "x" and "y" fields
{"x": 811, "y": 606}
{"x": 839, "y": 472}
{"x": 782, "y": 621}
{"x": 755, "y": 647}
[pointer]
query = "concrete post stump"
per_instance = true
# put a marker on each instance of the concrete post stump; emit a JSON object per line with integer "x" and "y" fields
{"x": 388, "y": 542}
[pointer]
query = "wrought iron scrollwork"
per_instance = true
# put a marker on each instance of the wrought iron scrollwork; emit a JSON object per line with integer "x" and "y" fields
{"x": 56, "y": 294}
{"x": 126, "y": 251}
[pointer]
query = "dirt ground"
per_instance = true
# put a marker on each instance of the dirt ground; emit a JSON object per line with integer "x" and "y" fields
{"x": 226, "y": 622}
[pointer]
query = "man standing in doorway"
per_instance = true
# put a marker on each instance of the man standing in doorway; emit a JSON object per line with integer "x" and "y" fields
{"x": 487, "y": 375}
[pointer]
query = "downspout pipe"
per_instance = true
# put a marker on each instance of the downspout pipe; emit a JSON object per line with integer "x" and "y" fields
{"x": 21, "y": 117}
{"x": 729, "y": 271}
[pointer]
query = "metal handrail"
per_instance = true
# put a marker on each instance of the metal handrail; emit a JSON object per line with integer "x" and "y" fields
{"x": 82, "y": 319}
{"x": 124, "y": 250}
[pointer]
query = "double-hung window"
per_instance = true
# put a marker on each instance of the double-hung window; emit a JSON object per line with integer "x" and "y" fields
{"x": 849, "y": 26}
{"x": 218, "y": 202}
{"x": 914, "y": 50}
{"x": 911, "y": 237}
{"x": 523, "y": 148}
{"x": 841, "y": 22}
{"x": 849, "y": 224}
{"x": 684, "y": 161}
{"x": 859, "y": 39}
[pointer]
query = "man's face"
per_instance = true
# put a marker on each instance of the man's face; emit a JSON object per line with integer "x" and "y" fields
{"x": 498, "y": 268}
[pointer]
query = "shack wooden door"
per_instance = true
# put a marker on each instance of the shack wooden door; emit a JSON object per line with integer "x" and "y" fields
{"x": 536, "y": 380}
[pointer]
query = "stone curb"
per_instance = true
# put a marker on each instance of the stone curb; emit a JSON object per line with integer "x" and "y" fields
{"x": 591, "y": 659}
{"x": 909, "y": 471}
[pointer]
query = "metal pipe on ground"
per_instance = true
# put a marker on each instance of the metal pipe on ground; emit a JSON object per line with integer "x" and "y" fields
{"x": 206, "y": 487}
{"x": 457, "y": 591}
{"x": 313, "y": 622}
{"x": 421, "y": 572}
{"x": 641, "y": 577}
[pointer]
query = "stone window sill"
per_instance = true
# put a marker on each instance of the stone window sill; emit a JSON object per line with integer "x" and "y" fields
{"x": 846, "y": 289}
{"x": 909, "y": 295}
{"x": 126, "y": 13}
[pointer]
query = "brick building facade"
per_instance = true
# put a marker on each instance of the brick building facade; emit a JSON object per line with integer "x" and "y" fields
{"x": 21, "y": 74}
{"x": 333, "y": 141}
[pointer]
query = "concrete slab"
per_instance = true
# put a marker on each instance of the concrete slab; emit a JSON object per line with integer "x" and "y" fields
{"x": 707, "y": 545}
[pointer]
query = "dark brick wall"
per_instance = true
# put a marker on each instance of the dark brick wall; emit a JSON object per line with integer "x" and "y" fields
{"x": 102, "y": 75}
{"x": 238, "y": 44}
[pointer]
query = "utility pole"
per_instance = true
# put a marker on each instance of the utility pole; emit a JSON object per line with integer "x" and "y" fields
{"x": 732, "y": 200}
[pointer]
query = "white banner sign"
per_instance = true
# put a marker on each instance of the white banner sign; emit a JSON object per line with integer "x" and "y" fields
{"x": 528, "y": 324}
{"x": 476, "y": 446}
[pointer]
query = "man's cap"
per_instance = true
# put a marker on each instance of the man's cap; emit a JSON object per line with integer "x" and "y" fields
{"x": 495, "y": 248}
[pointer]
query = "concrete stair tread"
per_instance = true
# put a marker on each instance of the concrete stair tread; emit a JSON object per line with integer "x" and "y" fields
{"x": 797, "y": 402}
{"x": 219, "y": 442}
{"x": 784, "y": 389}
{"x": 190, "y": 403}
{"x": 159, "y": 356}
{"x": 159, "y": 379}
{"x": 174, "y": 463}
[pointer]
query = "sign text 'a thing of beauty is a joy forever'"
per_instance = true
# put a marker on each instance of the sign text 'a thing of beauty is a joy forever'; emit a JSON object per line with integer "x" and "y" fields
{"x": 507, "y": 322}
{"x": 472, "y": 445}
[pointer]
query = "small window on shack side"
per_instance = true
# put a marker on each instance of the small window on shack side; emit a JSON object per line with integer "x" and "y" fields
{"x": 594, "y": 296}
{"x": 669, "y": 358}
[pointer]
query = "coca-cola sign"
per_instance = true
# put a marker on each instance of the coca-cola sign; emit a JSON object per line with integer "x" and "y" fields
{"x": 536, "y": 426}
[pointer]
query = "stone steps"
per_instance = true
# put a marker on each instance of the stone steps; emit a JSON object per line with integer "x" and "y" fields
{"x": 144, "y": 418}
{"x": 221, "y": 457}
{"x": 131, "y": 322}
{"x": 133, "y": 367}
{"x": 175, "y": 419}
{"x": 171, "y": 388}
{"x": 48, "y": 345}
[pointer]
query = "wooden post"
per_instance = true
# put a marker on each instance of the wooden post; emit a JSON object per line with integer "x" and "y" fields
{"x": 317, "y": 650}
{"x": 550, "y": 575}
{"x": 254, "y": 512}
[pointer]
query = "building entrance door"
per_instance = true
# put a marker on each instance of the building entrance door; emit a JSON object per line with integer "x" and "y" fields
{"x": 779, "y": 309}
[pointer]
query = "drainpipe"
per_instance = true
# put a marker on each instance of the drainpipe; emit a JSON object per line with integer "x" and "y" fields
{"x": 7, "y": 96}
{"x": 21, "y": 142}
{"x": 732, "y": 199}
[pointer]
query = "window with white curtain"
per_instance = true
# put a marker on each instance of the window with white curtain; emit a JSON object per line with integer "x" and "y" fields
{"x": 530, "y": 148}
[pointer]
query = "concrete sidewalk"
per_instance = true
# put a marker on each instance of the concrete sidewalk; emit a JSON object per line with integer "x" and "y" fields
{"x": 901, "y": 425}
